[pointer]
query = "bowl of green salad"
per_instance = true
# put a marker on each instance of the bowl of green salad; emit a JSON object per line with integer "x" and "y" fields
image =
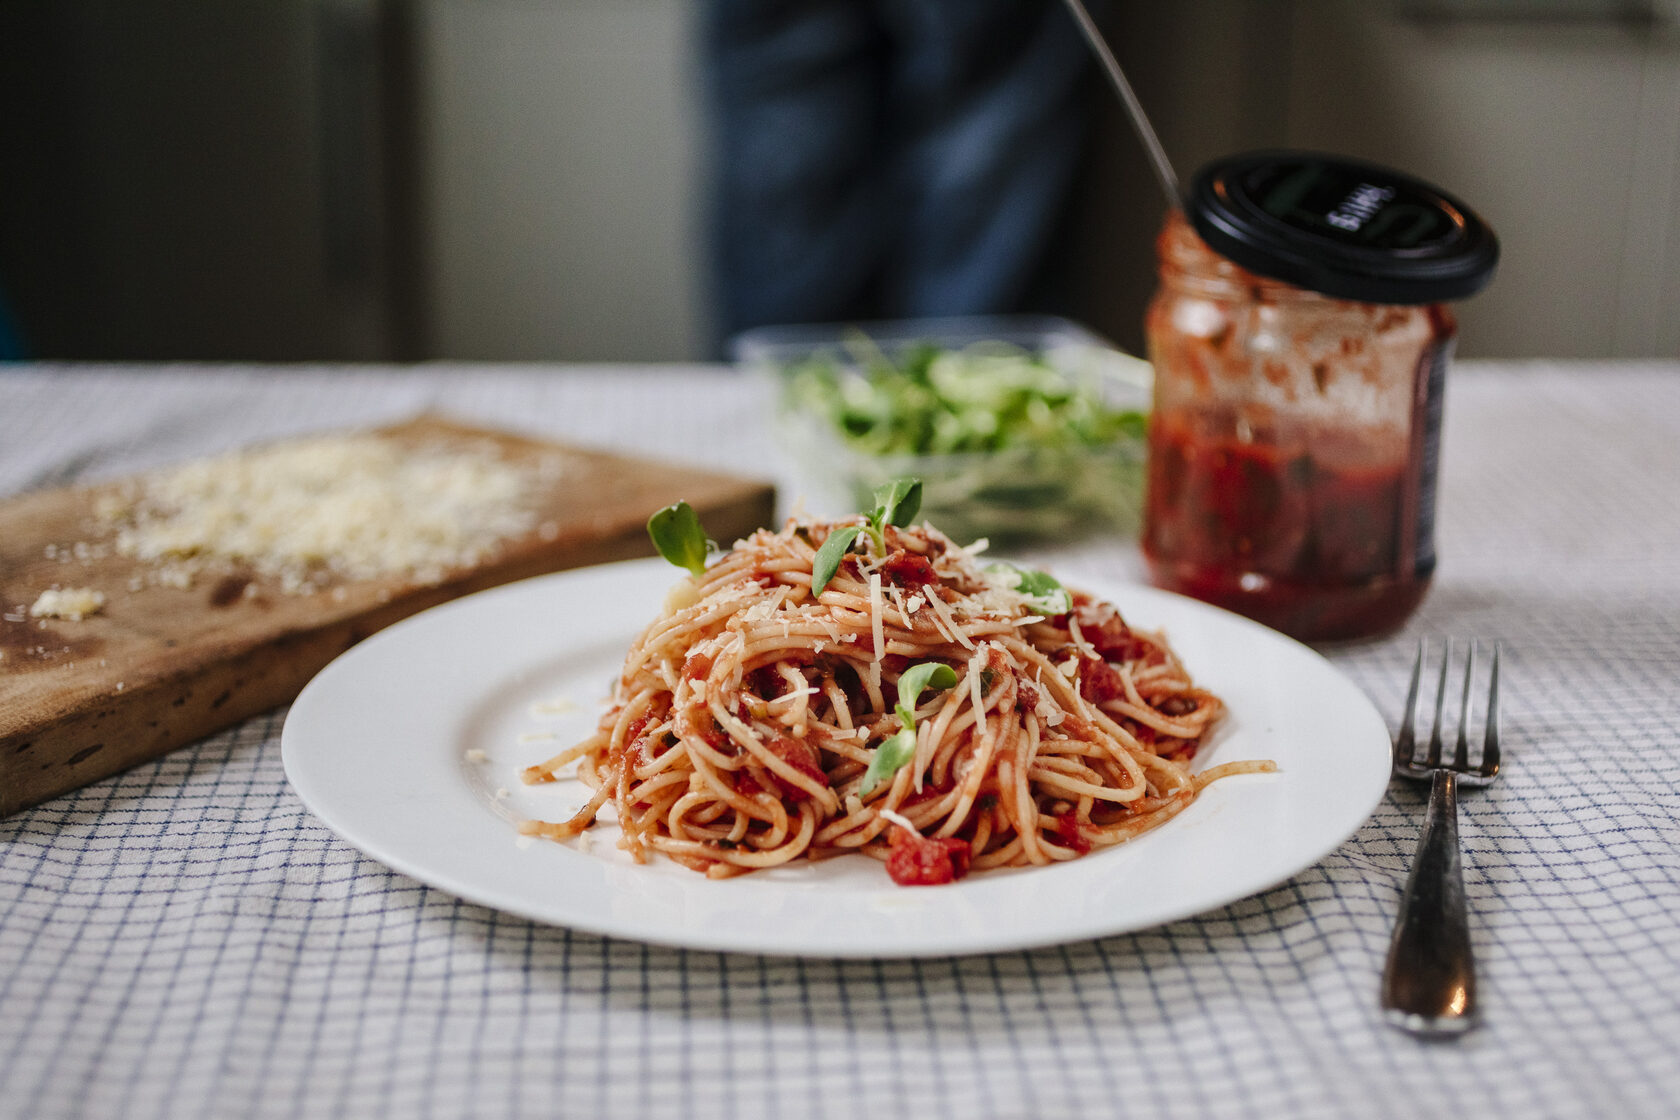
{"x": 1021, "y": 428}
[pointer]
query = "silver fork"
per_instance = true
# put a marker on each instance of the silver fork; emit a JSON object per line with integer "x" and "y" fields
{"x": 1429, "y": 983}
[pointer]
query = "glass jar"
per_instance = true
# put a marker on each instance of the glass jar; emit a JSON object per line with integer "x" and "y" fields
{"x": 1293, "y": 444}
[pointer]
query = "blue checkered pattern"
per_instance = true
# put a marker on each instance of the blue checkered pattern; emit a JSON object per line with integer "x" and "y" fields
{"x": 184, "y": 940}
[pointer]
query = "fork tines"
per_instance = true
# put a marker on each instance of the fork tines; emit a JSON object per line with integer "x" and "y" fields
{"x": 1406, "y": 761}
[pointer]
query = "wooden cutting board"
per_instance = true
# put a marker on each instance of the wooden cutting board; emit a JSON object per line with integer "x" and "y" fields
{"x": 162, "y": 666}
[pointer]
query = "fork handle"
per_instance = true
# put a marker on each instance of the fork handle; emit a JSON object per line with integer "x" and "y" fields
{"x": 1429, "y": 984}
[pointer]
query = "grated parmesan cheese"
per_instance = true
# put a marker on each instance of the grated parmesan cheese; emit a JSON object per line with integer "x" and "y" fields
{"x": 943, "y": 612}
{"x": 1079, "y": 641}
{"x": 305, "y": 512}
{"x": 682, "y": 595}
{"x": 977, "y": 694}
{"x": 876, "y": 609}
{"x": 900, "y": 820}
{"x": 761, "y": 610}
{"x": 72, "y": 603}
{"x": 897, "y": 596}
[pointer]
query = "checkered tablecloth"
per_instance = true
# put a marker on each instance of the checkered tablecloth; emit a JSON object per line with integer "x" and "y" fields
{"x": 185, "y": 940}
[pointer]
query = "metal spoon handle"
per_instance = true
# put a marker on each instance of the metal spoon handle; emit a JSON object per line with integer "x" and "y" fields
{"x": 1164, "y": 173}
{"x": 1429, "y": 984}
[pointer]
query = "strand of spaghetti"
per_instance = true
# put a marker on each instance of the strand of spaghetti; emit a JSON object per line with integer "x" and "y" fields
{"x": 1138, "y": 709}
{"x": 797, "y": 699}
{"x": 1122, "y": 746}
{"x": 699, "y": 617}
{"x": 545, "y": 771}
{"x": 980, "y": 702}
{"x": 985, "y": 748}
{"x": 567, "y": 829}
{"x": 837, "y": 702}
{"x": 1226, "y": 769}
{"x": 937, "y": 732}
{"x": 743, "y": 735}
{"x": 1023, "y": 812}
{"x": 846, "y": 831}
{"x": 1065, "y": 693}
{"x": 1058, "y": 773}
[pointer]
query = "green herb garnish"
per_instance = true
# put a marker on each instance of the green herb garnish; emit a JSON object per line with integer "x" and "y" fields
{"x": 900, "y": 748}
{"x": 916, "y": 679}
{"x": 676, "y": 533}
{"x": 833, "y": 550}
{"x": 896, "y": 503}
{"x": 890, "y": 758}
{"x": 1043, "y": 592}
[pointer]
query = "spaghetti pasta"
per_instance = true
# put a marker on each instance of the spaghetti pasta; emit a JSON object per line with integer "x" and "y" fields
{"x": 741, "y": 731}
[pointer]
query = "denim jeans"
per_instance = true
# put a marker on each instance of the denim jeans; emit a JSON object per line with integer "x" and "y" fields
{"x": 886, "y": 158}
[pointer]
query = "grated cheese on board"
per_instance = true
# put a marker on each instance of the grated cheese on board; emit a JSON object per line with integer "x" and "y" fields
{"x": 71, "y": 603}
{"x": 314, "y": 510}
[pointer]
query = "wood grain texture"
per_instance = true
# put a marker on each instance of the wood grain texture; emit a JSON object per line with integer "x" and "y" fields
{"x": 161, "y": 666}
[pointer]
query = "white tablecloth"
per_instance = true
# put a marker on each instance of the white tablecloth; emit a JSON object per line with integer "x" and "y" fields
{"x": 185, "y": 940}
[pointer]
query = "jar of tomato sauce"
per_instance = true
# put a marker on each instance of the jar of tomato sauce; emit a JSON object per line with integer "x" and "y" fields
{"x": 1300, "y": 338}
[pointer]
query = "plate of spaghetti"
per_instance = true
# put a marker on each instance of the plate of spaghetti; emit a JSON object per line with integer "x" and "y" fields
{"x": 842, "y": 739}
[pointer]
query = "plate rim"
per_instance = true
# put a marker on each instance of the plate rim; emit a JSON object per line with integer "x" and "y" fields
{"x": 307, "y": 783}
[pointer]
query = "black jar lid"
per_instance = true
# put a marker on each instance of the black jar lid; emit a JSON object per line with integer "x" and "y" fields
{"x": 1343, "y": 227}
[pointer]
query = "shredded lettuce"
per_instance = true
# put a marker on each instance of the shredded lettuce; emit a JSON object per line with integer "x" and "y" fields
{"x": 932, "y": 401}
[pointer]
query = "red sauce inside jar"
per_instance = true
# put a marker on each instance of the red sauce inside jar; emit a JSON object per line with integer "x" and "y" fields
{"x": 1305, "y": 538}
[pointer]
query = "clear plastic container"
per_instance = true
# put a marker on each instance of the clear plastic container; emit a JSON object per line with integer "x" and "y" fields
{"x": 1050, "y": 484}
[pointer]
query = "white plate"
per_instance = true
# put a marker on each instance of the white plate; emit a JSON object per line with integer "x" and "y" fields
{"x": 384, "y": 746}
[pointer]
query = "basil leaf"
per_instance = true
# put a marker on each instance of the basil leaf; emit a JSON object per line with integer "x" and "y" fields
{"x": 833, "y": 550}
{"x": 898, "y": 502}
{"x": 677, "y": 535}
{"x": 890, "y": 758}
{"x": 911, "y": 682}
{"x": 1045, "y": 594}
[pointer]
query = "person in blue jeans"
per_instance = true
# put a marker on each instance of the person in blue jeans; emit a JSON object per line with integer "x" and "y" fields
{"x": 887, "y": 158}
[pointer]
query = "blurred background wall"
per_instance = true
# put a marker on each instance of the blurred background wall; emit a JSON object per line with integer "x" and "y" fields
{"x": 522, "y": 179}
